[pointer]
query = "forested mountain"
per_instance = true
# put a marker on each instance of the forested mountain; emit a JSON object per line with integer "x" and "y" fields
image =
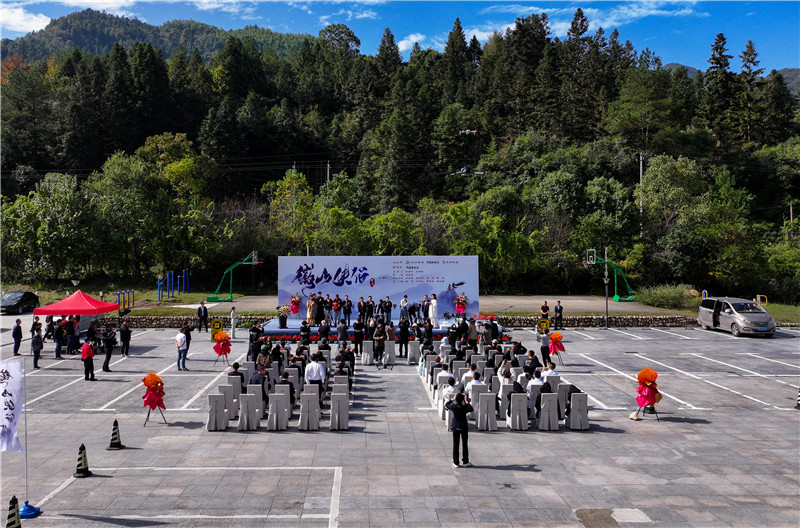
{"x": 96, "y": 32}
{"x": 525, "y": 151}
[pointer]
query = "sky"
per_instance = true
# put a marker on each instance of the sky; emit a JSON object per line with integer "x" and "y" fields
{"x": 676, "y": 31}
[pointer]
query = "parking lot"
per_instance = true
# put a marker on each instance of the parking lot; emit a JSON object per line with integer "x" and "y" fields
{"x": 723, "y": 453}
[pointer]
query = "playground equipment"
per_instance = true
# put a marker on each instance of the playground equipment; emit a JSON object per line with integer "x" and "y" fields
{"x": 250, "y": 260}
{"x": 166, "y": 285}
{"x": 126, "y": 299}
{"x": 592, "y": 258}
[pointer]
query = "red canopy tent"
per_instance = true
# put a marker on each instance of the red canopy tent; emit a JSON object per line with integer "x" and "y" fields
{"x": 77, "y": 304}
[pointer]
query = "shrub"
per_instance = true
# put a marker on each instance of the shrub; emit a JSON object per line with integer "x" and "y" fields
{"x": 668, "y": 296}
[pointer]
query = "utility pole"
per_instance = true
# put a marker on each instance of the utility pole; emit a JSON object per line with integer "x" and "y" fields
{"x": 605, "y": 280}
{"x": 329, "y": 172}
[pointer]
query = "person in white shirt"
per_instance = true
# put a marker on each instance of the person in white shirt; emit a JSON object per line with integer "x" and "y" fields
{"x": 467, "y": 377}
{"x": 450, "y": 390}
{"x": 444, "y": 370}
{"x": 537, "y": 380}
{"x": 315, "y": 375}
{"x": 433, "y": 311}
{"x": 180, "y": 344}
{"x": 234, "y": 321}
{"x": 551, "y": 369}
{"x": 476, "y": 380}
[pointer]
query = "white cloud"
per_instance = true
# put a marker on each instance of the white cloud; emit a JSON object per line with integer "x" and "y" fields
{"x": 408, "y": 42}
{"x": 114, "y": 7}
{"x": 242, "y": 9}
{"x": 303, "y": 6}
{"x": 523, "y": 10}
{"x": 17, "y": 19}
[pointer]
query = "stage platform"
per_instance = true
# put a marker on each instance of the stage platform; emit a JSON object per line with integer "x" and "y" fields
{"x": 272, "y": 328}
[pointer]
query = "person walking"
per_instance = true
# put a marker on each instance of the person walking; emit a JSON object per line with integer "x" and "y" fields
{"x": 87, "y": 355}
{"x": 460, "y": 428}
{"x": 16, "y": 334}
{"x": 234, "y": 321}
{"x": 37, "y": 344}
{"x": 544, "y": 347}
{"x": 180, "y": 345}
{"x": 125, "y": 338}
{"x": 202, "y": 316}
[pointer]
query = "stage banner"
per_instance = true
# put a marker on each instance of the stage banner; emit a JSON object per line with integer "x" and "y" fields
{"x": 11, "y": 385}
{"x": 447, "y": 276}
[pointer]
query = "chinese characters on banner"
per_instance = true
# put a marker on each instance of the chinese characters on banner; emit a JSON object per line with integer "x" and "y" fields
{"x": 11, "y": 387}
{"x": 361, "y": 276}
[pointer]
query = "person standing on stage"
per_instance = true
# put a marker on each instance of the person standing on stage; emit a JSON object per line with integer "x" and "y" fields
{"x": 347, "y": 308}
{"x": 202, "y": 316}
{"x": 386, "y": 308}
{"x": 404, "y": 307}
{"x": 433, "y": 311}
{"x": 370, "y": 308}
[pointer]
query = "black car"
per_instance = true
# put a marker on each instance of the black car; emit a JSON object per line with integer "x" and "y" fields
{"x": 18, "y": 302}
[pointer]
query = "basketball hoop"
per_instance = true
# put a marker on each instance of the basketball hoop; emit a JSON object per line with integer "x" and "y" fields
{"x": 591, "y": 256}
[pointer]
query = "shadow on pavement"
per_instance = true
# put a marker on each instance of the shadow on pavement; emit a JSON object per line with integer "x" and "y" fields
{"x": 118, "y": 522}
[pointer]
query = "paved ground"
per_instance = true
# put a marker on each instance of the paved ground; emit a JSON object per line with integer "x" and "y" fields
{"x": 724, "y": 453}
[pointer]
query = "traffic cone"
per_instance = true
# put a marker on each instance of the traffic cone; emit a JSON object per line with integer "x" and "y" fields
{"x": 116, "y": 442}
{"x": 82, "y": 470}
{"x": 13, "y": 514}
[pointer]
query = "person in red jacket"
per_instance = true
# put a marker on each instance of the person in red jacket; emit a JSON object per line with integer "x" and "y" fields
{"x": 87, "y": 355}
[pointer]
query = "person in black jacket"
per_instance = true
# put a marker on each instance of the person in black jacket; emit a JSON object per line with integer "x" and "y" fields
{"x": 403, "y": 333}
{"x": 125, "y": 338}
{"x": 202, "y": 316}
{"x": 358, "y": 336}
{"x": 460, "y": 428}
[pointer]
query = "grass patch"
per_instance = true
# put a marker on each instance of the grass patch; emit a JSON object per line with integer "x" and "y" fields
{"x": 783, "y": 313}
{"x": 671, "y": 296}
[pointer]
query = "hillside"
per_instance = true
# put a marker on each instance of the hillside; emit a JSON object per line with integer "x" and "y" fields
{"x": 792, "y": 78}
{"x": 96, "y": 32}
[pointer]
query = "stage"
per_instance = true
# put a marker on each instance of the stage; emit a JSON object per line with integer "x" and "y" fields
{"x": 292, "y": 330}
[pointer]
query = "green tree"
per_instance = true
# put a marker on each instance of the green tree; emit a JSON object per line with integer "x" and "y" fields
{"x": 291, "y": 213}
{"x": 719, "y": 94}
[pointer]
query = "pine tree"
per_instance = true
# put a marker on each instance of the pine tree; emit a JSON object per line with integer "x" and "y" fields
{"x": 748, "y": 81}
{"x": 454, "y": 63}
{"x": 718, "y": 94}
{"x": 389, "y": 60}
{"x": 775, "y": 107}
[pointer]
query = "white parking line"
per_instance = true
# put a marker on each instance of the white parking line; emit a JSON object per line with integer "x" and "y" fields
{"x": 671, "y": 333}
{"x": 689, "y": 405}
{"x": 118, "y": 398}
{"x": 63, "y": 386}
{"x": 587, "y": 336}
{"x": 598, "y": 402}
{"x": 208, "y": 385}
{"x": 768, "y": 359}
{"x": 711, "y": 332}
{"x": 745, "y": 370}
{"x": 32, "y": 372}
{"x": 689, "y": 374}
{"x": 627, "y": 333}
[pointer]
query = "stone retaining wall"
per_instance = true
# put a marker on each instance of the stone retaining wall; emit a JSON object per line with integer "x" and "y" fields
{"x": 588, "y": 321}
{"x": 175, "y": 321}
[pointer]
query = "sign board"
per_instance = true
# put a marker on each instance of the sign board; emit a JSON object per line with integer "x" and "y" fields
{"x": 216, "y": 326}
{"x": 361, "y": 276}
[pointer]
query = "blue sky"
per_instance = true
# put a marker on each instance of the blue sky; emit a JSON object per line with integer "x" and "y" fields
{"x": 677, "y": 31}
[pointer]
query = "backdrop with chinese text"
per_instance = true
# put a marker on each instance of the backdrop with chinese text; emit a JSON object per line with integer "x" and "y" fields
{"x": 361, "y": 276}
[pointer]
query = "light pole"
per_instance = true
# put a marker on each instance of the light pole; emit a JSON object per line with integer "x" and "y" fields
{"x": 605, "y": 280}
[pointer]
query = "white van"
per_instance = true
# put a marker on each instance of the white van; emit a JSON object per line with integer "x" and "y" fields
{"x": 737, "y": 316}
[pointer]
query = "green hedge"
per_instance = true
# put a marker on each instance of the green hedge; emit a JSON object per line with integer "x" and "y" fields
{"x": 673, "y": 296}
